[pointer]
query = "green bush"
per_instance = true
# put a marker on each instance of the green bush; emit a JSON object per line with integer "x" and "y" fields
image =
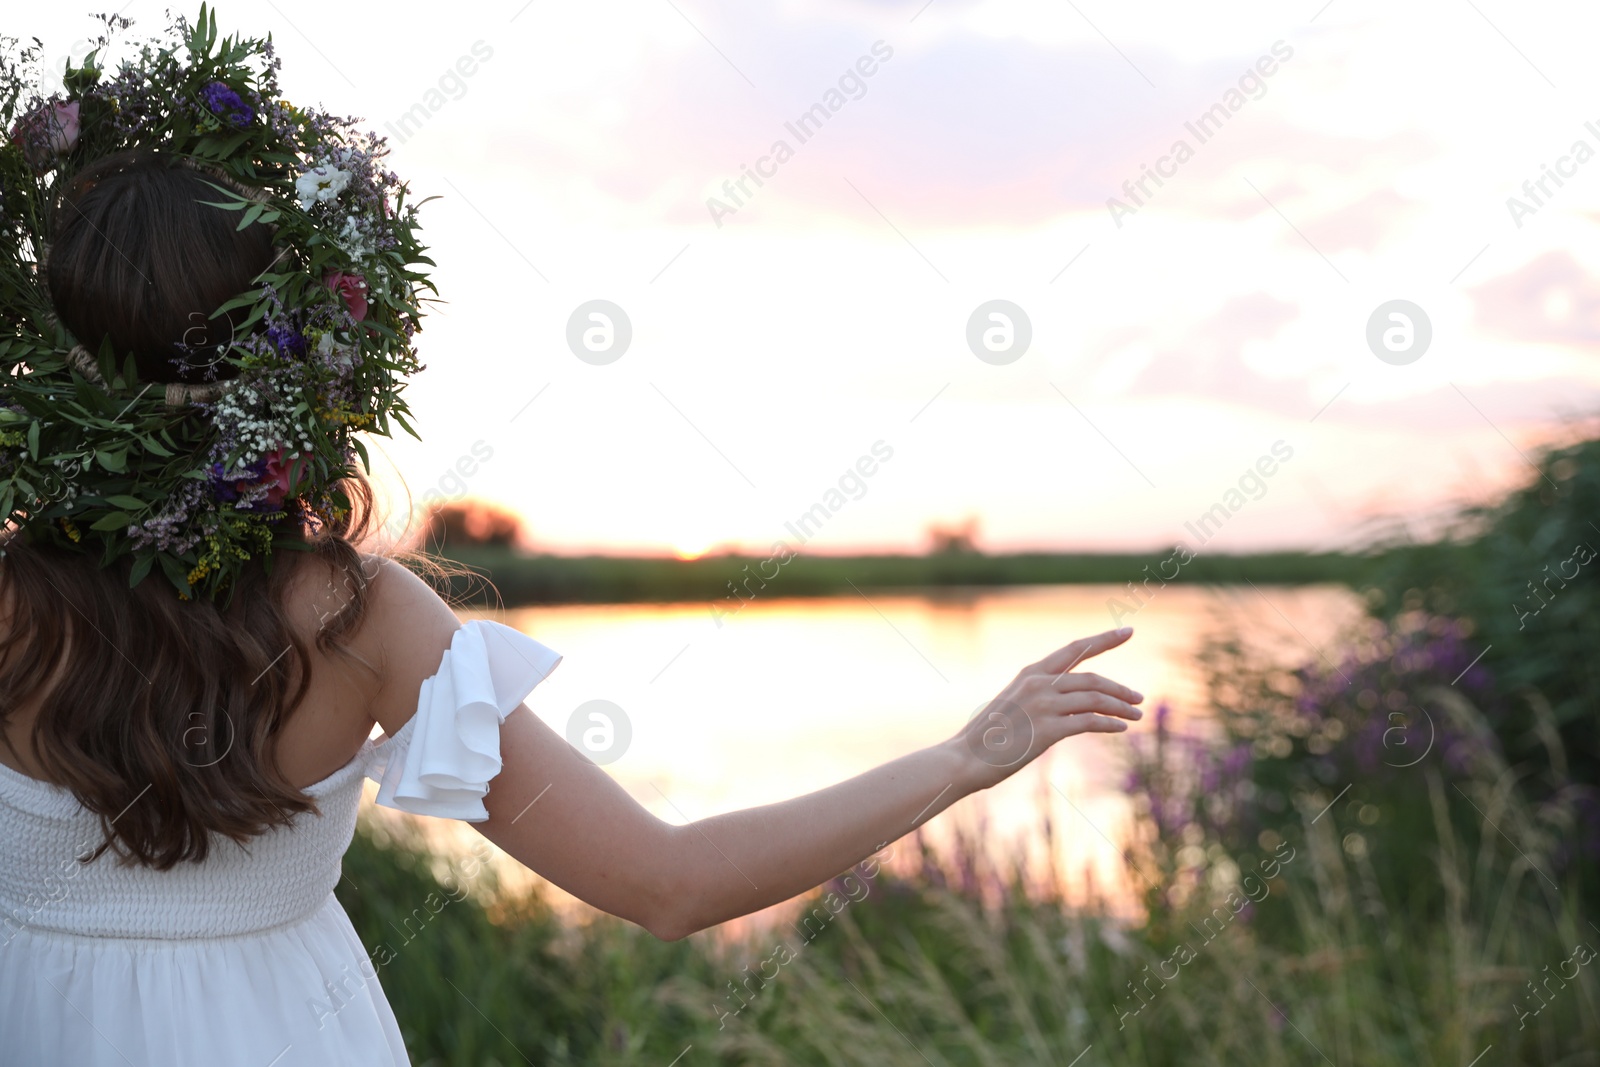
{"x": 1526, "y": 573}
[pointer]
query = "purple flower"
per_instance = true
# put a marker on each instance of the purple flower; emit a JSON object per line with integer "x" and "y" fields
{"x": 286, "y": 339}
{"x": 260, "y": 486}
{"x": 219, "y": 98}
{"x": 1237, "y": 760}
{"x": 228, "y": 489}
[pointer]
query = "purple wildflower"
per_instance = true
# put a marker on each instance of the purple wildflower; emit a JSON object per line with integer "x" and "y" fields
{"x": 1237, "y": 760}
{"x": 247, "y": 488}
{"x": 175, "y": 529}
{"x": 286, "y": 339}
{"x": 219, "y": 98}
{"x": 227, "y": 489}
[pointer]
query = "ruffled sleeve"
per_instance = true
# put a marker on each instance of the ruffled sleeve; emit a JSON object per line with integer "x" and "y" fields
{"x": 441, "y": 761}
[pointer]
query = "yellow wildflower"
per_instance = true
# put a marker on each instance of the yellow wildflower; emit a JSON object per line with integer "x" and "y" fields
{"x": 201, "y": 569}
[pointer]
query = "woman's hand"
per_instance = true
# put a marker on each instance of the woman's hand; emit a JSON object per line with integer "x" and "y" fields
{"x": 1046, "y": 702}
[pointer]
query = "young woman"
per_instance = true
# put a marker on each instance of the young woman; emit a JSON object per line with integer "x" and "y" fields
{"x": 180, "y": 773}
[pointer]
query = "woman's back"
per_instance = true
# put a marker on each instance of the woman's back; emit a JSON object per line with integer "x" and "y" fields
{"x": 330, "y": 724}
{"x": 252, "y": 923}
{"x": 256, "y": 921}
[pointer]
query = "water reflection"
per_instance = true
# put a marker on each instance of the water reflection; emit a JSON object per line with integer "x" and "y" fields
{"x": 789, "y": 696}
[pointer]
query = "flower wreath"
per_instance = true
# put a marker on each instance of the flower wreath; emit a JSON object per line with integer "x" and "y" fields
{"x": 199, "y": 478}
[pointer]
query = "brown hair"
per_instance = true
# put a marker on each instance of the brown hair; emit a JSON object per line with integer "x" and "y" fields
{"x": 174, "y": 704}
{"x": 139, "y": 259}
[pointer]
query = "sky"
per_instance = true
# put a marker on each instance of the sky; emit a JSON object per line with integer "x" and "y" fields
{"x": 819, "y": 336}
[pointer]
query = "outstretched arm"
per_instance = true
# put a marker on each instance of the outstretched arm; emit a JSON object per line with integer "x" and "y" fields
{"x": 564, "y": 817}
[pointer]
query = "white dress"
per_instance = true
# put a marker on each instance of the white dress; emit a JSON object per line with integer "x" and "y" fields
{"x": 247, "y": 958}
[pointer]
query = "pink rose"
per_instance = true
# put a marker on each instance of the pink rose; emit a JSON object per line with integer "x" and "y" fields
{"x": 353, "y": 287}
{"x": 47, "y": 133}
{"x": 277, "y": 477}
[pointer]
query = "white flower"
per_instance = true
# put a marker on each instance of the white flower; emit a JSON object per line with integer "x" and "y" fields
{"x": 355, "y": 240}
{"x": 339, "y": 356}
{"x": 320, "y": 183}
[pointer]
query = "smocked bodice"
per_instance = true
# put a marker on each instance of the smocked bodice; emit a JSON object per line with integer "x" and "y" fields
{"x": 439, "y": 763}
{"x": 278, "y": 877}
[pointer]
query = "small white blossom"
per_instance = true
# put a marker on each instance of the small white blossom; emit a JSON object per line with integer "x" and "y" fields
{"x": 356, "y": 240}
{"x": 319, "y": 184}
{"x": 337, "y": 356}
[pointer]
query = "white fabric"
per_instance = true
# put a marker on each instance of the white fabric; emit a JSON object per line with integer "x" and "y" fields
{"x": 485, "y": 674}
{"x": 247, "y": 958}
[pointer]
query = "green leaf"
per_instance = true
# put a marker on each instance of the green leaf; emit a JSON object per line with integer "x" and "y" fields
{"x": 401, "y": 419}
{"x": 141, "y": 568}
{"x": 127, "y": 502}
{"x": 243, "y": 300}
{"x": 114, "y": 521}
{"x": 174, "y": 571}
{"x": 228, "y": 147}
{"x": 249, "y": 216}
{"x": 113, "y": 461}
{"x": 154, "y": 447}
{"x": 33, "y": 441}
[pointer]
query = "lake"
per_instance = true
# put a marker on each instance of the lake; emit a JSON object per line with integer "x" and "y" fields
{"x": 788, "y": 696}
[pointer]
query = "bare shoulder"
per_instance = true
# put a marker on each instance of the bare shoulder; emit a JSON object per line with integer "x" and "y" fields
{"x": 407, "y": 630}
{"x": 404, "y": 629}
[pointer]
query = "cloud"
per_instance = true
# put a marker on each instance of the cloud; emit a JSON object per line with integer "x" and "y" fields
{"x": 1505, "y": 405}
{"x": 960, "y": 130}
{"x": 1210, "y": 362}
{"x": 1551, "y": 299}
{"x": 1363, "y": 225}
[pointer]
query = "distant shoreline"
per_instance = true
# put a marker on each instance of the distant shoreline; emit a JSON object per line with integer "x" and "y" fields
{"x": 524, "y": 579}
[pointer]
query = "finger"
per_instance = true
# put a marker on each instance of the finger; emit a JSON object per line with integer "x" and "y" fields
{"x": 1094, "y": 724}
{"x": 1069, "y": 656}
{"x": 1075, "y": 682}
{"x": 1087, "y": 701}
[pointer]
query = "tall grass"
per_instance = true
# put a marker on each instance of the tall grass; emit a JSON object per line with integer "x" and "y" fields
{"x": 949, "y": 962}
